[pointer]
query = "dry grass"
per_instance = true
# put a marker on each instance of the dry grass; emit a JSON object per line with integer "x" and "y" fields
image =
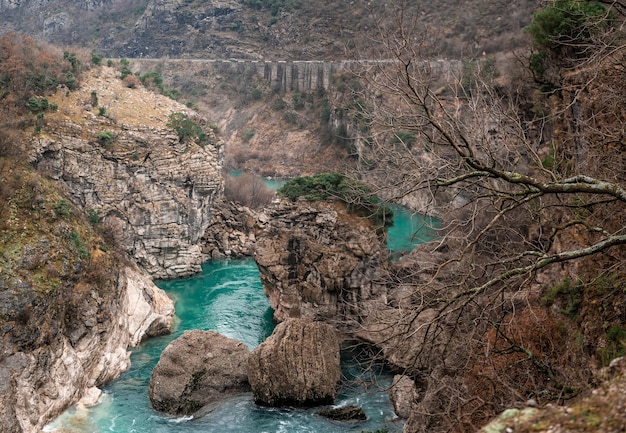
{"x": 136, "y": 107}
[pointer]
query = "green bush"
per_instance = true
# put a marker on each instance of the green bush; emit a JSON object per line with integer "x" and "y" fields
{"x": 62, "y": 208}
{"x": 248, "y": 134}
{"x": 106, "y": 138}
{"x": 79, "y": 245}
{"x": 94, "y": 98}
{"x": 96, "y": 59}
{"x": 567, "y": 296}
{"x": 563, "y": 32}
{"x": 237, "y": 26}
{"x": 354, "y": 194}
{"x": 187, "y": 129}
{"x": 564, "y": 22}
{"x": 125, "y": 72}
{"x": 278, "y": 104}
{"x": 256, "y": 93}
{"x": 151, "y": 80}
{"x": 615, "y": 345}
{"x": 406, "y": 138}
{"x": 325, "y": 111}
{"x": 71, "y": 57}
{"x": 36, "y": 105}
{"x": 291, "y": 117}
{"x": 93, "y": 217}
{"x": 70, "y": 80}
{"x": 124, "y": 68}
{"x": 298, "y": 101}
{"x": 102, "y": 111}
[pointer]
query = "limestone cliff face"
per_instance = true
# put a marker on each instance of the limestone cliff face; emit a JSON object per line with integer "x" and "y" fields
{"x": 133, "y": 171}
{"x": 71, "y": 302}
{"x": 70, "y": 305}
{"x": 83, "y": 351}
{"x": 318, "y": 262}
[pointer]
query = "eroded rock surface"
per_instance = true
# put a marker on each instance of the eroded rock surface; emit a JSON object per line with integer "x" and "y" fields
{"x": 232, "y": 231}
{"x": 297, "y": 365}
{"x": 403, "y": 395}
{"x": 317, "y": 261}
{"x": 133, "y": 171}
{"x": 60, "y": 348}
{"x": 197, "y": 369}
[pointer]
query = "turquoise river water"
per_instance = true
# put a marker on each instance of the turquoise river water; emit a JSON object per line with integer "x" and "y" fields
{"x": 228, "y": 297}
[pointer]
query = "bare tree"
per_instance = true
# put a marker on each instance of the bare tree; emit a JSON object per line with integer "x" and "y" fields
{"x": 519, "y": 209}
{"x": 248, "y": 189}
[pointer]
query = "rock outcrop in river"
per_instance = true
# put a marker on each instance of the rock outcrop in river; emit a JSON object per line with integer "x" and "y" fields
{"x": 197, "y": 369}
{"x": 318, "y": 262}
{"x": 297, "y": 365}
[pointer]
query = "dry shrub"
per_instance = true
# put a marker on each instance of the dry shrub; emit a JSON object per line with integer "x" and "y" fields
{"x": 530, "y": 356}
{"x": 11, "y": 154}
{"x": 239, "y": 158}
{"x": 229, "y": 163}
{"x": 32, "y": 68}
{"x": 131, "y": 81}
{"x": 112, "y": 231}
{"x": 249, "y": 190}
{"x": 10, "y": 143}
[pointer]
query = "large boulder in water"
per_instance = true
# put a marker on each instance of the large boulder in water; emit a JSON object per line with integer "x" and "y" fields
{"x": 197, "y": 369}
{"x": 297, "y": 365}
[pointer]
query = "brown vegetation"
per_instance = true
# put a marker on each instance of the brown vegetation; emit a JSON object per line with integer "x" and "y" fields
{"x": 31, "y": 68}
{"x": 248, "y": 189}
{"x": 505, "y": 306}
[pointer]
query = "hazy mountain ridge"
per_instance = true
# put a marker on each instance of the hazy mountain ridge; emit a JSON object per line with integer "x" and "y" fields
{"x": 322, "y": 29}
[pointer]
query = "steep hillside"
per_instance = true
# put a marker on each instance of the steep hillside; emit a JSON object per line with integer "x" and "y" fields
{"x": 286, "y": 29}
{"x": 271, "y": 134}
{"x": 96, "y": 174}
{"x": 140, "y": 161}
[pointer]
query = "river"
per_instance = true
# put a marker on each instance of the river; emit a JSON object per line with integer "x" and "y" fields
{"x": 228, "y": 297}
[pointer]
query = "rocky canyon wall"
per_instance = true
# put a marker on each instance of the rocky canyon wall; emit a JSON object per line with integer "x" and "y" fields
{"x": 65, "y": 344}
{"x": 71, "y": 301}
{"x": 128, "y": 168}
{"x": 317, "y": 261}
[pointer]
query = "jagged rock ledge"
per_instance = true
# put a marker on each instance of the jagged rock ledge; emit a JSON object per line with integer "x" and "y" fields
{"x": 39, "y": 384}
{"x": 128, "y": 167}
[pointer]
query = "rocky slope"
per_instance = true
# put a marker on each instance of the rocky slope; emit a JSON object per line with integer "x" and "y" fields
{"x": 70, "y": 306}
{"x": 262, "y": 137}
{"x": 133, "y": 171}
{"x": 115, "y": 185}
{"x": 320, "y": 29}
